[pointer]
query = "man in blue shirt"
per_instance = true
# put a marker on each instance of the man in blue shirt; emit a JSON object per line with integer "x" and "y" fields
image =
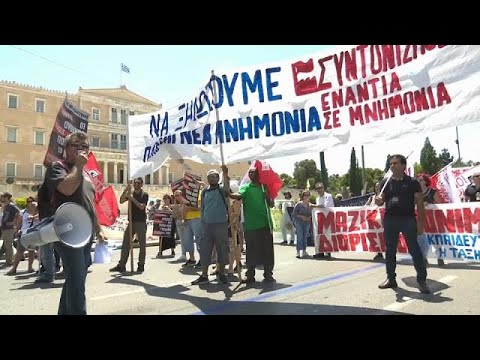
{"x": 214, "y": 220}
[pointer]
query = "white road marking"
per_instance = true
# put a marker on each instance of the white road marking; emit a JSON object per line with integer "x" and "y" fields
{"x": 406, "y": 300}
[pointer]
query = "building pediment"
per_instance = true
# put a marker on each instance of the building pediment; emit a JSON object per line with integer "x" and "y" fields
{"x": 121, "y": 93}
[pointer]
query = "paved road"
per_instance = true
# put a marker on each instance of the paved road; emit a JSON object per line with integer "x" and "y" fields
{"x": 347, "y": 285}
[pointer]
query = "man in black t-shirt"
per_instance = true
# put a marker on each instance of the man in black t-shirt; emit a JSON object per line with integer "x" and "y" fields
{"x": 66, "y": 183}
{"x": 139, "y": 200}
{"x": 400, "y": 195}
{"x": 472, "y": 192}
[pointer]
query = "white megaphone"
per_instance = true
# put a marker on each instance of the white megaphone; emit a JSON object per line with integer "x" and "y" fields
{"x": 71, "y": 224}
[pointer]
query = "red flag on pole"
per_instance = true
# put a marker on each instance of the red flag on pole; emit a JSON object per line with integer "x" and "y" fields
{"x": 268, "y": 177}
{"x": 105, "y": 200}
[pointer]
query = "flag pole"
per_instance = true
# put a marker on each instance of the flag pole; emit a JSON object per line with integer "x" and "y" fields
{"x": 226, "y": 182}
{"x": 130, "y": 224}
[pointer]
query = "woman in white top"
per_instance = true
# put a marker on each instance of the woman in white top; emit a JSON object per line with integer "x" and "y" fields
{"x": 29, "y": 219}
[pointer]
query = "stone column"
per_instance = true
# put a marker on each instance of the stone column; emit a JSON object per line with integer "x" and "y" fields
{"x": 115, "y": 173}
{"x": 125, "y": 175}
{"x": 105, "y": 171}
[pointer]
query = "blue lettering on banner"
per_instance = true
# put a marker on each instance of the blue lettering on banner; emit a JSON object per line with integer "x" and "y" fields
{"x": 245, "y": 128}
{"x": 207, "y": 138}
{"x": 272, "y": 84}
{"x": 219, "y": 89}
{"x": 442, "y": 252}
{"x": 314, "y": 119}
{"x": 231, "y": 130}
{"x": 278, "y": 127}
{"x": 229, "y": 88}
{"x": 155, "y": 130}
{"x": 253, "y": 86}
{"x": 261, "y": 123}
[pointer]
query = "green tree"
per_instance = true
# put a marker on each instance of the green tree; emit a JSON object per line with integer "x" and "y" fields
{"x": 372, "y": 177}
{"x": 417, "y": 168}
{"x": 355, "y": 175}
{"x": 323, "y": 171}
{"x": 287, "y": 179}
{"x": 428, "y": 158}
{"x": 445, "y": 157}
{"x": 304, "y": 170}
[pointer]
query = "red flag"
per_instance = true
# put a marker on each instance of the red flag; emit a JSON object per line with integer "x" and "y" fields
{"x": 105, "y": 200}
{"x": 268, "y": 177}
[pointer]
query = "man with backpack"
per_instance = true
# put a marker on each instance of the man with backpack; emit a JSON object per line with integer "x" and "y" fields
{"x": 214, "y": 220}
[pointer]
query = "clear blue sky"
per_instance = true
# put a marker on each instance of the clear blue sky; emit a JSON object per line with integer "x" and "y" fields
{"x": 169, "y": 74}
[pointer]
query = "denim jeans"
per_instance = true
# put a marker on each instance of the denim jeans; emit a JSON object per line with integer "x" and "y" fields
{"x": 193, "y": 229}
{"x": 180, "y": 231}
{"x": 302, "y": 229}
{"x": 48, "y": 260}
{"x": 75, "y": 263}
{"x": 407, "y": 225}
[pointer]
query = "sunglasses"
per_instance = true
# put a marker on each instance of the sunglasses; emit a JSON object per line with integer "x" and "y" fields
{"x": 80, "y": 146}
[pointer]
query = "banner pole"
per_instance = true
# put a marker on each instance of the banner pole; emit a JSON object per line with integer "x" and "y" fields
{"x": 130, "y": 233}
{"x": 226, "y": 186}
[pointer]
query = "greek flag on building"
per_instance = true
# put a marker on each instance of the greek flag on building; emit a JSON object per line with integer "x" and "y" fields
{"x": 125, "y": 68}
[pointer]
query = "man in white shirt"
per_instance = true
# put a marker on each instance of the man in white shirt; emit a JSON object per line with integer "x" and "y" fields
{"x": 287, "y": 223}
{"x": 324, "y": 200}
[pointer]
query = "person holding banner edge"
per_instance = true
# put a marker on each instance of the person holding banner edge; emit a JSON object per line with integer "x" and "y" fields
{"x": 139, "y": 200}
{"x": 400, "y": 193}
{"x": 257, "y": 227}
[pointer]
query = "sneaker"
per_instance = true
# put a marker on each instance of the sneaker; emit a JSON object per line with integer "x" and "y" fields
{"x": 269, "y": 279}
{"x": 43, "y": 281}
{"x": 198, "y": 265}
{"x": 305, "y": 254}
{"x": 222, "y": 278}
{"x": 318, "y": 256}
{"x": 189, "y": 263}
{"x": 298, "y": 255}
{"x": 248, "y": 280}
{"x": 140, "y": 268}
{"x": 388, "y": 284}
{"x": 201, "y": 280}
{"x": 284, "y": 242}
{"x": 292, "y": 243}
{"x": 118, "y": 268}
{"x": 423, "y": 287}
{"x": 441, "y": 262}
{"x": 378, "y": 257}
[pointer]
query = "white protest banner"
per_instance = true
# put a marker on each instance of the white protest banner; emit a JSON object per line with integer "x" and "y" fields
{"x": 451, "y": 182}
{"x": 351, "y": 95}
{"x": 452, "y": 230}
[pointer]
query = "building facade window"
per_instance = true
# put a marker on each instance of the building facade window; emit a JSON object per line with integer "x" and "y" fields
{"x": 114, "y": 115}
{"x": 40, "y": 106}
{"x": 114, "y": 141}
{"x": 39, "y": 137}
{"x": 170, "y": 178}
{"x": 11, "y": 134}
{"x": 12, "y": 101}
{"x": 123, "y": 142}
{"x": 123, "y": 117}
{"x": 10, "y": 169}
{"x": 96, "y": 114}
{"x": 95, "y": 141}
{"x": 132, "y": 113}
{"x": 38, "y": 171}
